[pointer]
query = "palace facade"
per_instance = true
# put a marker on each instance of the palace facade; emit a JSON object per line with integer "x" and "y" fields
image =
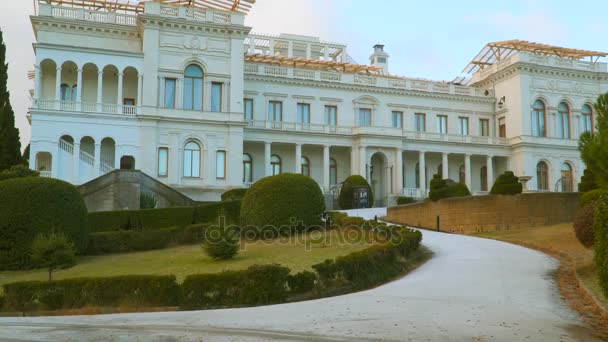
{"x": 183, "y": 91}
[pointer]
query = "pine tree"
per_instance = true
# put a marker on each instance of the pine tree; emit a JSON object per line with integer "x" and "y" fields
{"x": 10, "y": 146}
{"x": 594, "y": 147}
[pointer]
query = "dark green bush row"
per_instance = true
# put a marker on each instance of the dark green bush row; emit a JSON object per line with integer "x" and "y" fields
{"x": 144, "y": 291}
{"x": 33, "y": 205}
{"x": 150, "y": 219}
{"x": 506, "y": 184}
{"x": 405, "y": 200}
{"x": 234, "y": 195}
{"x": 373, "y": 265}
{"x": 123, "y": 241}
{"x": 302, "y": 282}
{"x": 600, "y": 228}
{"x": 256, "y": 285}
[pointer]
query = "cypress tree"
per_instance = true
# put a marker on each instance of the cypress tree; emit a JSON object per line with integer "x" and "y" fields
{"x": 10, "y": 146}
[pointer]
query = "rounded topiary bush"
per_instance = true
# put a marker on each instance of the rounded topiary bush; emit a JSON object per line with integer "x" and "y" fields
{"x": 583, "y": 224}
{"x": 446, "y": 188}
{"x": 33, "y": 206}
{"x": 282, "y": 200}
{"x": 346, "y": 193}
{"x": 506, "y": 184}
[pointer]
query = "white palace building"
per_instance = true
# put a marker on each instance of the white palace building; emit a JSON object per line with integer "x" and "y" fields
{"x": 183, "y": 91}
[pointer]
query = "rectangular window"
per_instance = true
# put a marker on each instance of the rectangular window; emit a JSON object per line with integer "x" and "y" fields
{"x": 275, "y": 111}
{"x": 365, "y": 117}
{"x": 163, "y": 162}
{"x": 442, "y": 124}
{"x": 304, "y": 113}
{"x": 170, "y": 93}
{"x": 248, "y": 110}
{"x": 420, "y": 122}
{"x": 216, "y": 97}
{"x": 331, "y": 115}
{"x": 484, "y": 127}
{"x": 463, "y": 126}
{"x": 502, "y": 128}
{"x": 397, "y": 119}
{"x": 220, "y": 164}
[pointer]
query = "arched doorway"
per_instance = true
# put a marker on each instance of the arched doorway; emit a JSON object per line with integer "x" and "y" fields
{"x": 378, "y": 178}
{"x": 567, "y": 179}
{"x": 127, "y": 163}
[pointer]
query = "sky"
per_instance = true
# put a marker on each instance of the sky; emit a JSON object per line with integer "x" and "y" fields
{"x": 428, "y": 39}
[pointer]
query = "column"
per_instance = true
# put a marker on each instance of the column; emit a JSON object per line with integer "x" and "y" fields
{"x": 97, "y": 170}
{"x": 490, "y": 168}
{"x": 467, "y": 171}
{"x": 161, "y": 92}
{"x": 398, "y": 173}
{"x": 58, "y": 88}
{"x": 422, "y": 173}
{"x": 76, "y": 164}
{"x": 326, "y": 55}
{"x": 326, "y": 167}
{"x": 179, "y": 93}
{"x": 55, "y": 161}
{"x": 37, "y": 82}
{"x": 79, "y": 90}
{"x": 140, "y": 87}
{"x": 252, "y": 45}
{"x": 444, "y": 166}
{"x": 308, "y": 51}
{"x": 298, "y": 159}
{"x": 117, "y": 156}
{"x": 99, "y": 90}
{"x": 362, "y": 161}
{"x": 353, "y": 161}
{"x": 271, "y": 47}
{"x": 290, "y": 49}
{"x": 267, "y": 155}
{"x": 119, "y": 100}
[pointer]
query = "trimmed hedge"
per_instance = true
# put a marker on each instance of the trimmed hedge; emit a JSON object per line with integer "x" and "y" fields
{"x": 446, "y": 188}
{"x": 600, "y": 228}
{"x": 124, "y": 241}
{"x": 18, "y": 171}
{"x": 346, "y": 193}
{"x": 275, "y": 204}
{"x": 373, "y": 265}
{"x": 302, "y": 282}
{"x": 507, "y": 184}
{"x": 583, "y": 224}
{"x": 257, "y": 285}
{"x": 151, "y": 219}
{"x": 137, "y": 290}
{"x": 35, "y": 205}
{"x": 405, "y": 200}
{"x": 234, "y": 195}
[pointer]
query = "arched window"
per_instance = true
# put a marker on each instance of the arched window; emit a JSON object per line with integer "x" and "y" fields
{"x": 192, "y": 160}
{"x": 587, "y": 119}
{"x": 333, "y": 171}
{"x": 275, "y": 163}
{"x": 305, "y": 169}
{"x": 483, "y": 178}
{"x": 247, "y": 168}
{"x": 193, "y": 88}
{"x": 563, "y": 120}
{"x": 66, "y": 94}
{"x": 440, "y": 171}
{"x": 542, "y": 176}
{"x": 539, "y": 128}
{"x": 567, "y": 178}
{"x": 462, "y": 174}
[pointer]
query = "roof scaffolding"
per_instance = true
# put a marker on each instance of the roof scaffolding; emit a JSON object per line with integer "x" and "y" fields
{"x": 313, "y": 64}
{"x": 495, "y": 52}
{"x": 135, "y": 6}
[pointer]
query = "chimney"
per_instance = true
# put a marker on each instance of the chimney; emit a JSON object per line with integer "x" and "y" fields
{"x": 379, "y": 58}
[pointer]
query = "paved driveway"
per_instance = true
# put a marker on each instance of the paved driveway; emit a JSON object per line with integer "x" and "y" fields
{"x": 472, "y": 290}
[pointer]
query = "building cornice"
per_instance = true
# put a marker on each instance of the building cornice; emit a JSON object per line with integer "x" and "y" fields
{"x": 180, "y": 25}
{"x": 68, "y": 48}
{"x": 84, "y": 27}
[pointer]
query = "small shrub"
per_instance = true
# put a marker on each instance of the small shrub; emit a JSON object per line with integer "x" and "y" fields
{"x": 506, "y": 184}
{"x": 405, "y": 200}
{"x": 138, "y": 290}
{"x": 302, "y": 282}
{"x": 234, "y": 195}
{"x": 53, "y": 252}
{"x": 35, "y": 205}
{"x": 280, "y": 203}
{"x": 336, "y": 217}
{"x": 346, "y": 193}
{"x": 591, "y": 196}
{"x": 221, "y": 243}
{"x": 446, "y": 188}
{"x": 18, "y": 171}
{"x": 147, "y": 201}
{"x": 600, "y": 228}
{"x": 211, "y": 213}
{"x": 587, "y": 182}
{"x": 257, "y": 285}
{"x": 583, "y": 224}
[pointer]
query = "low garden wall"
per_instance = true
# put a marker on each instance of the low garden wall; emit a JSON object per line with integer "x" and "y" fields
{"x": 488, "y": 213}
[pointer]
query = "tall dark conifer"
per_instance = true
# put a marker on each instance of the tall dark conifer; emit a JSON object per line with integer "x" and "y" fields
{"x": 10, "y": 146}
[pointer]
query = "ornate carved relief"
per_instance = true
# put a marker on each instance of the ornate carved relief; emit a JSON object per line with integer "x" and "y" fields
{"x": 195, "y": 44}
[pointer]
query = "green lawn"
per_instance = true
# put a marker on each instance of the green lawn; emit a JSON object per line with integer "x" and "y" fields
{"x": 185, "y": 260}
